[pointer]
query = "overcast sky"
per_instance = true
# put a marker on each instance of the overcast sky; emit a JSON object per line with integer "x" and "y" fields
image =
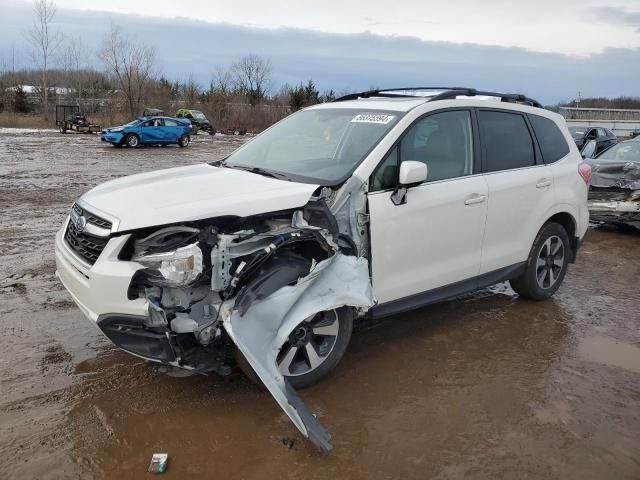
{"x": 578, "y": 27}
{"x": 546, "y": 48}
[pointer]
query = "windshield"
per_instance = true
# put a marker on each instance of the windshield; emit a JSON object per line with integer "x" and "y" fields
{"x": 577, "y": 132}
{"x": 317, "y": 146}
{"x": 131, "y": 124}
{"x": 622, "y": 152}
{"x": 198, "y": 115}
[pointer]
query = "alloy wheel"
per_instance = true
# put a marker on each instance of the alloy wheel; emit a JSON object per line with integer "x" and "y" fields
{"x": 309, "y": 345}
{"x": 550, "y": 262}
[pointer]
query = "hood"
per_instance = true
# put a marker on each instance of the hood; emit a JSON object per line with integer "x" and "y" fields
{"x": 192, "y": 193}
{"x": 615, "y": 174}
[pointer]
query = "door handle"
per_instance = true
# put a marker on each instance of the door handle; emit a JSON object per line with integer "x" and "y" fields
{"x": 544, "y": 183}
{"x": 475, "y": 198}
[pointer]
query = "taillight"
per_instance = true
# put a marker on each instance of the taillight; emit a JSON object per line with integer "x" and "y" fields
{"x": 584, "y": 169}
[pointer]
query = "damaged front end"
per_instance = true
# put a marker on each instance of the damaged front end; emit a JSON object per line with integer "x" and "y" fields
{"x": 614, "y": 195}
{"x": 232, "y": 284}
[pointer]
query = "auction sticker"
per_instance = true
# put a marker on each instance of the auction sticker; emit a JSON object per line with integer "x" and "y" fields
{"x": 373, "y": 118}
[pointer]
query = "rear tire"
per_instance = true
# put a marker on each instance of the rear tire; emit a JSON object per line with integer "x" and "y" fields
{"x": 547, "y": 264}
{"x": 184, "y": 141}
{"x": 132, "y": 140}
{"x": 328, "y": 362}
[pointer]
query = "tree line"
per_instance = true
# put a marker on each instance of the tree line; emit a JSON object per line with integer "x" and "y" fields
{"x": 62, "y": 69}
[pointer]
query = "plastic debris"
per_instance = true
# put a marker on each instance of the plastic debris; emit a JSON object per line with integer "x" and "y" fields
{"x": 158, "y": 463}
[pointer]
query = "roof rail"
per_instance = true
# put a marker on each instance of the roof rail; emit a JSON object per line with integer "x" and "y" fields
{"x": 388, "y": 92}
{"x": 447, "y": 94}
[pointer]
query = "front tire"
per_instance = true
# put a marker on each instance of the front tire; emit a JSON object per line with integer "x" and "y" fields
{"x": 312, "y": 350}
{"x": 547, "y": 264}
{"x": 184, "y": 141}
{"x": 132, "y": 140}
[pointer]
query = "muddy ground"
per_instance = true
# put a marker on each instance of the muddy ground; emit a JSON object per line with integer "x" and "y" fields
{"x": 486, "y": 386}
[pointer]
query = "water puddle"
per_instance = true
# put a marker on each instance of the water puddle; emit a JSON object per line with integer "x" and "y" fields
{"x": 611, "y": 352}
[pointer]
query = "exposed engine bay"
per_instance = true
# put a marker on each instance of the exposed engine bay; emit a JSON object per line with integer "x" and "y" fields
{"x": 227, "y": 286}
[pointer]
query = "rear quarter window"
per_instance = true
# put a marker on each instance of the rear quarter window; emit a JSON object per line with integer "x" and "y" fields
{"x": 550, "y": 139}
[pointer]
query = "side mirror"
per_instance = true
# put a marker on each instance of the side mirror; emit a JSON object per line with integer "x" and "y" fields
{"x": 412, "y": 173}
{"x": 589, "y": 149}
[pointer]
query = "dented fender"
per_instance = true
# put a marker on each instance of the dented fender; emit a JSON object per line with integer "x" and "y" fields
{"x": 338, "y": 281}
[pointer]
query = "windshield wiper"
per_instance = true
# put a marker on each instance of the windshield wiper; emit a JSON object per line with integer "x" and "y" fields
{"x": 259, "y": 171}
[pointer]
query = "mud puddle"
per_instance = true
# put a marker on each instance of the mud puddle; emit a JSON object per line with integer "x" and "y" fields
{"x": 486, "y": 386}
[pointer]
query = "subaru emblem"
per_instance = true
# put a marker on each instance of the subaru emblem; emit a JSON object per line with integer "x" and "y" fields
{"x": 81, "y": 223}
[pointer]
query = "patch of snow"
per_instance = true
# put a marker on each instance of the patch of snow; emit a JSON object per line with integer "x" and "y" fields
{"x": 25, "y": 130}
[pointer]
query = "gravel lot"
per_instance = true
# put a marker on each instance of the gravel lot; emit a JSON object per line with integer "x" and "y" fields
{"x": 486, "y": 386}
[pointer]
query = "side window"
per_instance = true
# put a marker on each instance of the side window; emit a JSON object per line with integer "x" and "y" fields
{"x": 507, "y": 141}
{"x": 148, "y": 123}
{"x": 552, "y": 143}
{"x": 592, "y": 135}
{"x": 444, "y": 142}
{"x": 170, "y": 123}
{"x": 601, "y": 133}
{"x": 386, "y": 175}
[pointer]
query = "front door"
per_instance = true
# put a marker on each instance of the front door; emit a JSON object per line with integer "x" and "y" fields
{"x": 152, "y": 131}
{"x": 435, "y": 238}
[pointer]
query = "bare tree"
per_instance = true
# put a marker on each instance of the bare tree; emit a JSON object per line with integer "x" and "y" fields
{"x": 131, "y": 62}
{"x": 223, "y": 81}
{"x": 44, "y": 42}
{"x": 252, "y": 75}
{"x": 74, "y": 59}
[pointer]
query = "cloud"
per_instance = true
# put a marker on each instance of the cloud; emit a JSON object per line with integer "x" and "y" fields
{"x": 354, "y": 61}
{"x": 616, "y": 16}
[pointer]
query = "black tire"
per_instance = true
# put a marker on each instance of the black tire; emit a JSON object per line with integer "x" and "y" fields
{"x": 132, "y": 140}
{"x": 184, "y": 141}
{"x": 543, "y": 275}
{"x": 345, "y": 318}
{"x": 212, "y": 131}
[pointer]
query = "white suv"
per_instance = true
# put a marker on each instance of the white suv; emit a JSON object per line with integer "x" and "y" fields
{"x": 371, "y": 205}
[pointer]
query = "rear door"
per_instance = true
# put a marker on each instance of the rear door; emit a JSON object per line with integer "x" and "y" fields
{"x": 172, "y": 130}
{"x": 435, "y": 238}
{"x": 521, "y": 188}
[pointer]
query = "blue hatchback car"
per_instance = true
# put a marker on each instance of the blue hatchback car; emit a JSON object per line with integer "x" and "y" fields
{"x": 150, "y": 131}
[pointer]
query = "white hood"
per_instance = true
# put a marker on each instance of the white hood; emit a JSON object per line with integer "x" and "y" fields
{"x": 192, "y": 193}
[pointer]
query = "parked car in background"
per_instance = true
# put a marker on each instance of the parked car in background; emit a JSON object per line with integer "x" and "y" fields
{"x": 152, "y": 112}
{"x": 603, "y": 137}
{"x": 614, "y": 195}
{"x": 149, "y": 131}
{"x": 198, "y": 120}
{"x": 364, "y": 207}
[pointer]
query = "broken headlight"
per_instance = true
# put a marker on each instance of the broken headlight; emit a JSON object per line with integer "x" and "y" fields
{"x": 177, "y": 268}
{"x": 172, "y": 256}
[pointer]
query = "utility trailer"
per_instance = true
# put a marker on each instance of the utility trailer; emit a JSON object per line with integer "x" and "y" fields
{"x": 69, "y": 118}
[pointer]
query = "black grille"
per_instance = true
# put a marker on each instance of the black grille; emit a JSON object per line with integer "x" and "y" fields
{"x": 91, "y": 218}
{"x": 86, "y": 246}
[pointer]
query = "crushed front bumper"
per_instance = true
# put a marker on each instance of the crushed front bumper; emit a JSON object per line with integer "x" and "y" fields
{"x": 619, "y": 212}
{"x": 100, "y": 288}
{"x": 112, "y": 137}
